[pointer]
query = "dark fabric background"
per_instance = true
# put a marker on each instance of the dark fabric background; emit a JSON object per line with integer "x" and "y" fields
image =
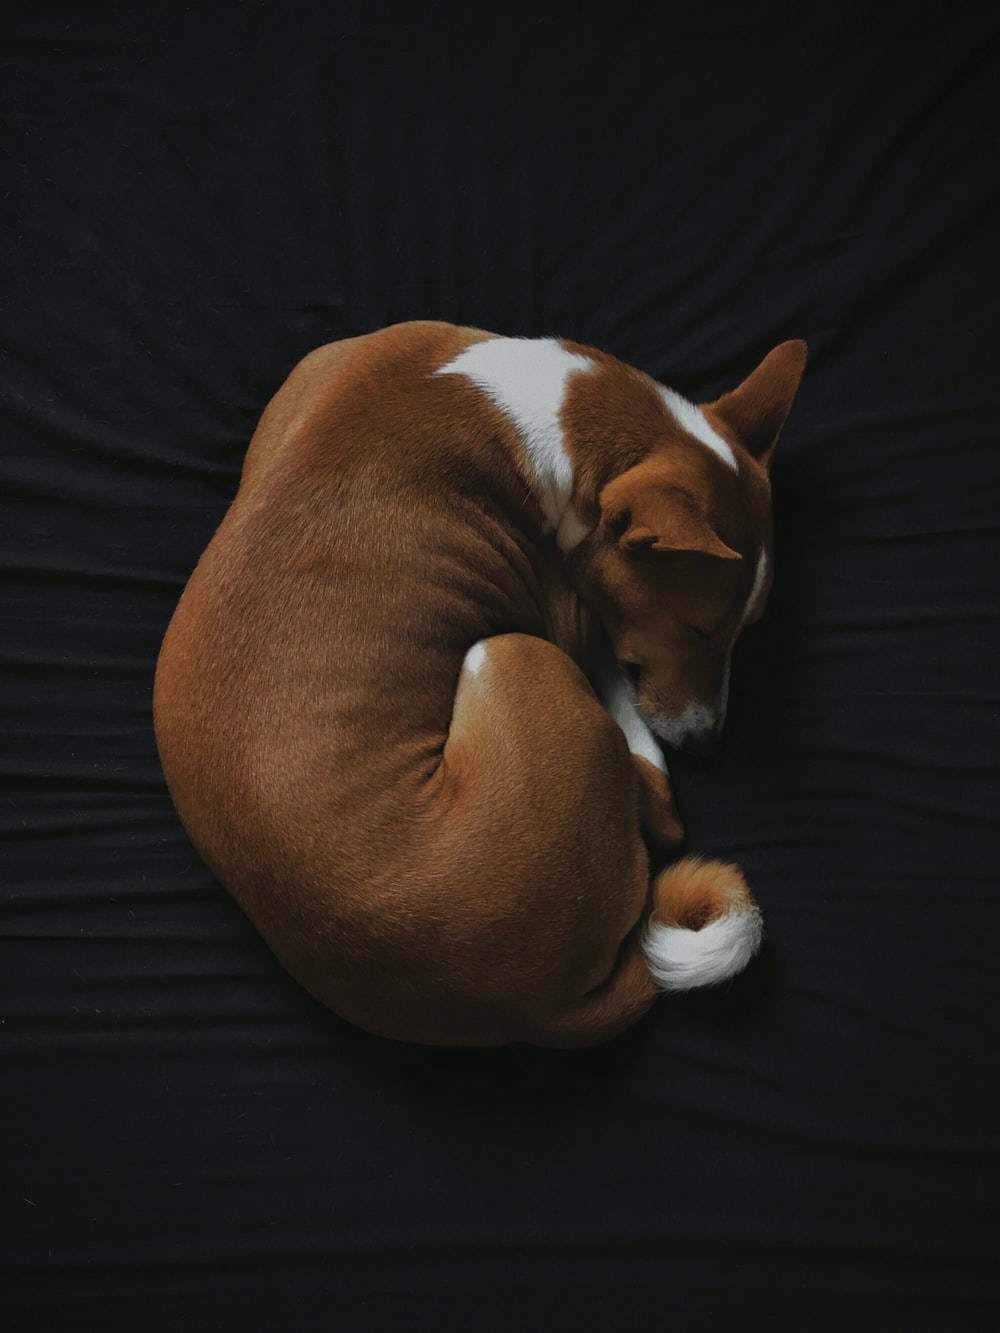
{"x": 194, "y": 197}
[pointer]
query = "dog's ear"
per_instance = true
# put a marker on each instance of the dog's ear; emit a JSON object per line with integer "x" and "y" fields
{"x": 756, "y": 411}
{"x": 646, "y": 515}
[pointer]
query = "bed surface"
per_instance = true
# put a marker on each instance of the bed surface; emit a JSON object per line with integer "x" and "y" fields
{"x": 196, "y": 198}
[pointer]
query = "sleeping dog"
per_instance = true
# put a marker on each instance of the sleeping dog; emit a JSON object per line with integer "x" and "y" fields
{"x": 410, "y": 704}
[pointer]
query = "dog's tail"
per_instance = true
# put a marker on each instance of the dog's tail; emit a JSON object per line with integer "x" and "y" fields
{"x": 705, "y": 926}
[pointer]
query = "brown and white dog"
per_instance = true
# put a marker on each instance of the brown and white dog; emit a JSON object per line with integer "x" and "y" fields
{"x": 408, "y": 704}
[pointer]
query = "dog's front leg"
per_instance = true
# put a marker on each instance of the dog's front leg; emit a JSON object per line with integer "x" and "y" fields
{"x": 571, "y": 626}
{"x": 661, "y": 823}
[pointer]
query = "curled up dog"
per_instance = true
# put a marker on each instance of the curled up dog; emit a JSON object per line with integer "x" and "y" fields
{"x": 410, "y": 704}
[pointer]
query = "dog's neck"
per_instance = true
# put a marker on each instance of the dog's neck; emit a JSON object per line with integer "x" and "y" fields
{"x": 528, "y": 379}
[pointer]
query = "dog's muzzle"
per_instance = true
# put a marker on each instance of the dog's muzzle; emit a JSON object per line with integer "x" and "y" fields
{"x": 697, "y": 730}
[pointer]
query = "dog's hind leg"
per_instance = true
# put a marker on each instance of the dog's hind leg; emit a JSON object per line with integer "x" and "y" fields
{"x": 540, "y": 836}
{"x": 704, "y": 928}
{"x": 539, "y": 812}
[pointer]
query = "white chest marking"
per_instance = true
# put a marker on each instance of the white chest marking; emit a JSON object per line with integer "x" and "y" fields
{"x": 526, "y": 378}
{"x": 691, "y": 419}
{"x": 571, "y": 530}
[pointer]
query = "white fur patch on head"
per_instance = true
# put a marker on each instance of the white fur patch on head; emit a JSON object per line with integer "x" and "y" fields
{"x": 722, "y": 702}
{"x": 691, "y": 419}
{"x": 526, "y": 378}
{"x": 681, "y": 959}
{"x": 757, "y": 591}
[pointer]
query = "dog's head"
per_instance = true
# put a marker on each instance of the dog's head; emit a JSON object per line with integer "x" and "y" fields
{"x": 680, "y": 559}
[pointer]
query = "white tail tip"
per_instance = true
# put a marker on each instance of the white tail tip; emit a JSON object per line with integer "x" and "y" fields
{"x": 681, "y": 959}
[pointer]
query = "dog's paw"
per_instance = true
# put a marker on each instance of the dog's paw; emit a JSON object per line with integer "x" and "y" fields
{"x": 658, "y": 817}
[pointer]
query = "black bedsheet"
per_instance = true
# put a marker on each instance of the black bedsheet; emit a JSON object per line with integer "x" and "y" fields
{"x": 194, "y": 197}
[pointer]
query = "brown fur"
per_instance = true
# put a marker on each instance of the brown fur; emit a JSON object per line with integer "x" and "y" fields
{"x": 438, "y": 858}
